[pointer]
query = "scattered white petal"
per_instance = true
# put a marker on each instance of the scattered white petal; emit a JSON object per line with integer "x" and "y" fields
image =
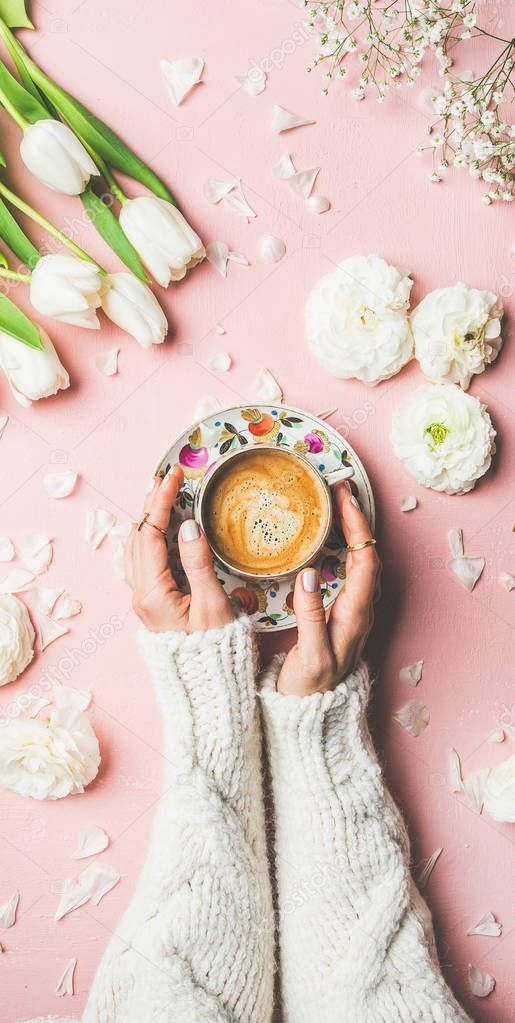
{"x": 181, "y": 75}
{"x": 3, "y": 423}
{"x": 412, "y": 673}
{"x": 237, "y": 257}
{"x": 17, "y": 580}
{"x": 6, "y": 549}
{"x": 28, "y": 704}
{"x": 414, "y": 717}
{"x": 66, "y": 607}
{"x": 283, "y": 120}
{"x": 108, "y": 362}
{"x": 427, "y": 870}
{"x": 98, "y": 524}
{"x": 266, "y": 388}
{"x": 455, "y": 778}
{"x": 8, "y": 911}
{"x": 236, "y": 199}
{"x": 481, "y": 984}
{"x": 467, "y": 571}
{"x": 217, "y": 253}
{"x": 60, "y": 484}
{"x": 302, "y": 182}
{"x": 89, "y": 886}
{"x": 488, "y": 926}
{"x": 318, "y": 203}
{"x": 474, "y": 787}
{"x": 91, "y": 841}
{"x": 505, "y": 578}
{"x": 455, "y": 537}
{"x": 48, "y": 630}
{"x": 65, "y": 982}
{"x": 68, "y": 696}
{"x": 284, "y": 168}
{"x": 254, "y": 82}
{"x": 221, "y": 362}
{"x": 220, "y": 329}
{"x": 206, "y": 406}
{"x": 35, "y": 551}
{"x": 272, "y": 249}
{"x": 215, "y": 190}
{"x": 497, "y": 735}
{"x": 408, "y": 503}
{"x": 44, "y": 598}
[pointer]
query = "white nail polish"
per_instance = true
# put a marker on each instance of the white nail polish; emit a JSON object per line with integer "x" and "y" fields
{"x": 354, "y": 502}
{"x": 310, "y": 580}
{"x": 167, "y": 478}
{"x": 150, "y": 487}
{"x": 189, "y": 530}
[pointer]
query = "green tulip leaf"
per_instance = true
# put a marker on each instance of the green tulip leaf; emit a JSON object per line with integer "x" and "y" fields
{"x": 30, "y": 108}
{"x": 3, "y": 260}
{"x": 14, "y": 14}
{"x": 109, "y": 227}
{"x": 16, "y": 239}
{"x": 15, "y": 323}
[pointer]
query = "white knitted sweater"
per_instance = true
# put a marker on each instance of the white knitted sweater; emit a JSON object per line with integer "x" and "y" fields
{"x": 196, "y": 944}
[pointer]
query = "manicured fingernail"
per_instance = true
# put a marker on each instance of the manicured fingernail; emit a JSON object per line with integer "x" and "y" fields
{"x": 346, "y": 484}
{"x": 189, "y": 530}
{"x": 354, "y": 502}
{"x": 150, "y": 487}
{"x": 310, "y": 580}
{"x": 167, "y": 478}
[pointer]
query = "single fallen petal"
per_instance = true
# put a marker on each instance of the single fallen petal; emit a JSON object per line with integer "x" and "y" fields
{"x": 302, "y": 182}
{"x": 3, "y": 423}
{"x": 215, "y": 190}
{"x": 414, "y": 717}
{"x": 60, "y": 484}
{"x": 318, "y": 203}
{"x": 99, "y": 523}
{"x": 237, "y": 257}
{"x": 236, "y": 199}
{"x": 272, "y": 249}
{"x": 467, "y": 571}
{"x": 497, "y": 735}
{"x": 181, "y": 75}
{"x": 284, "y": 167}
{"x": 100, "y": 880}
{"x": 455, "y": 778}
{"x": 8, "y": 911}
{"x": 65, "y": 982}
{"x": 221, "y": 362}
{"x": 481, "y": 984}
{"x": 412, "y": 673}
{"x": 48, "y": 630}
{"x": 488, "y": 926}
{"x": 474, "y": 787}
{"x": 455, "y": 537}
{"x": 507, "y": 580}
{"x": 254, "y": 82}
{"x": 18, "y": 579}
{"x": 408, "y": 503}
{"x": 67, "y": 696}
{"x": 217, "y": 253}
{"x": 266, "y": 388}
{"x": 89, "y": 886}
{"x": 44, "y": 598}
{"x": 108, "y": 362}
{"x": 66, "y": 607}
{"x": 284, "y": 120}
{"x": 73, "y": 895}
{"x": 206, "y": 406}
{"x": 91, "y": 841}
{"x": 220, "y": 329}
{"x": 35, "y": 551}
{"x": 29, "y": 704}
{"x": 6, "y": 549}
{"x": 427, "y": 870}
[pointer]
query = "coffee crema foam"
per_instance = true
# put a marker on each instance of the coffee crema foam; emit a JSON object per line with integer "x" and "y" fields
{"x": 266, "y": 512}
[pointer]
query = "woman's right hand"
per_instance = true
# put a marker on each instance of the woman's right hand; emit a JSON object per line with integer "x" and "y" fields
{"x": 156, "y": 597}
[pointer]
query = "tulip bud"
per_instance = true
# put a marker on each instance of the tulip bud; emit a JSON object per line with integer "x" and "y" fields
{"x": 32, "y": 373}
{"x": 55, "y": 156}
{"x": 163, "y": 238}
{"x": 67, "y": 288}
{"x": 133, "y": 307}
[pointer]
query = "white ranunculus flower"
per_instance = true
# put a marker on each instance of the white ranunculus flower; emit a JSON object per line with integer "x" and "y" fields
{"x": 48, "y": 759}
{"x": 67, "y": 288}
{"x": 56, "y": 157}
{"x": 133, "y": 306}
{"x": 444, "y": 437}
{"x": 16, "y": 638}
{"x": 457, "y": 333}
{"x": 163, "y": 238}
{"x": 357, "y": 319}
{"x": 500, "y": 791}
{"x": 32, "y": 373}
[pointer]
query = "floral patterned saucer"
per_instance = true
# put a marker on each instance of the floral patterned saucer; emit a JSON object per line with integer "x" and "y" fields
{"x": 270, "y": 603}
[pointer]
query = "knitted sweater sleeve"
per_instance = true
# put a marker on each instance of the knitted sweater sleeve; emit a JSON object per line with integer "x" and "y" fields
{"x": 196, "y": 944}
{"x": 355, "y": 935}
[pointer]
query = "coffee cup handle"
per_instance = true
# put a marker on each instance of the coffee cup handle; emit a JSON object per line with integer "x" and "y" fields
{"x": 338, "y": 475}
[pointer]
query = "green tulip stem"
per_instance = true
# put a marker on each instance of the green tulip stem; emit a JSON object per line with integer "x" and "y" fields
{"x": 13, "y": 276}
{"x": 15, "y": 114}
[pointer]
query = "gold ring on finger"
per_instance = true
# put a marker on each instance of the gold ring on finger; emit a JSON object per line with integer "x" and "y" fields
{"x": 145, "y": 521}
{"x": 360, "y": 546}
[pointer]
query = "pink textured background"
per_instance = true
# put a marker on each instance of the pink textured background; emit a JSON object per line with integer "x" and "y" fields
{"x": 113, "y": 430}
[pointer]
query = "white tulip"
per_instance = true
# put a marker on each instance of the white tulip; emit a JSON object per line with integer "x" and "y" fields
{"x": 163, "y": 238}
{"x": 55, "y": 156}
{"x": 68, "y": 289}
{"x": 133, "y": 307}
{"x": 32, "y": 373}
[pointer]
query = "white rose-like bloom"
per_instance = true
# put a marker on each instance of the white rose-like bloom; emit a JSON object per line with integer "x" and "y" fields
{"x": 67, "y": 288}
{"x": 457, "y": 333}
{"x": 133, "y": 307}
{"x": 48, "y": 759}
{"x": 32, "y": 373}
{"x": 163, "y": 238}
{"x": 444, "y": 437}
{"x": 500, "y": 791}
{"x": 51, "y": 151}
{"x": 357, "y": 320}
{"x": 16, "y": 638}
